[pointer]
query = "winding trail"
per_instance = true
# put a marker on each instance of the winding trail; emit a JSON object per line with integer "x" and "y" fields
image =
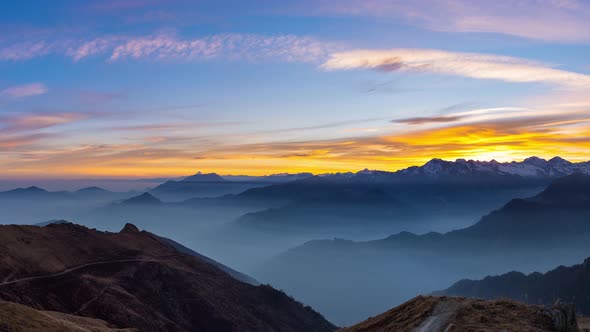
{"x": 79, "y": 267}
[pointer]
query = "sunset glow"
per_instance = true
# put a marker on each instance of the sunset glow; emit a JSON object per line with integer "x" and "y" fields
{"x": 156, "y": 89}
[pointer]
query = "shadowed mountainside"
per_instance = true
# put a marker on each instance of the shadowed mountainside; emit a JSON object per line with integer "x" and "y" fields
{"x": 569, "y": 284}
{"x": 553, "y": 225}
{"x": 133, "y": 279}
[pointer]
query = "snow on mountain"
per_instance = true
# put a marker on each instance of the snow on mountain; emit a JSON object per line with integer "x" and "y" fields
{"x": 530, "y": 167}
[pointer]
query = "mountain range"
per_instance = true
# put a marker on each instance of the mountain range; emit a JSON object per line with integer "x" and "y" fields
{"x": 461, "y": 170}
{"x": 552, "y": 224}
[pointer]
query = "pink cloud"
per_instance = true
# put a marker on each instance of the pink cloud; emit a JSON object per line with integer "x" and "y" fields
{"x": 550, "y": 20}
{"x": 471, "y": 65}
{"x": 16, "y": 123}
{"x": 27, "y": 90}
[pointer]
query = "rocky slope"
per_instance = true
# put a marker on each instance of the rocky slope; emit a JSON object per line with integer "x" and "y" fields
{"x": 133, "y": 279}
{"x": 456, "y": 314}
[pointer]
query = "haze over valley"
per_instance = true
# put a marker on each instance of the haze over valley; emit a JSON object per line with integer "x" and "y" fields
{"x": 295, "y": 165}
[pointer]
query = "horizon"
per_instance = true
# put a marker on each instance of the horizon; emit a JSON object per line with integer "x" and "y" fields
{"x": 147, "y": 183}
{"x": 159, "y": 88}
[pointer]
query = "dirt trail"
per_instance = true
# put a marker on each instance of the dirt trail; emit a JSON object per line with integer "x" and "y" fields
{"x": 75, "y": 268}
{"x": 440, "y": 317}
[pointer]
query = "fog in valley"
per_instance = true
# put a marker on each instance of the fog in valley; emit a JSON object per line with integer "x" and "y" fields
{"x": 350, "y": 247}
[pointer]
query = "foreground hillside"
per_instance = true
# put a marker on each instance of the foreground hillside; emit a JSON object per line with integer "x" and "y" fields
{"x": 16, "y": 317}
{"x": 571, "y": 284}
{"x": 134, "y": 279}
{"x": 461, "y": 314}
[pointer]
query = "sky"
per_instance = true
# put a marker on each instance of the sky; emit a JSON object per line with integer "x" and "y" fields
{"x": 152, "y": 88}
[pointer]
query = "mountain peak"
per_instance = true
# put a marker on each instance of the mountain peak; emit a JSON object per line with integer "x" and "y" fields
{"x": 130, "y": 228}
{"x": 143, "y": 199}
{"x": 558, "y": 161}
{"x": 535, "y": 161}
{"x": 204, "y": 177}
{"x": 34, "y": 189}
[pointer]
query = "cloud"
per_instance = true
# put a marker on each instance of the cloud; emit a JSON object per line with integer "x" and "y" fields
{"x": 35, "y": 121}
{"x": 548, "y": 20}
{"x": 166, "y": 46}
{"x": 499, "y": 133}
{"x": 27, "y": 90}
{"x": 21, "y": 130}
{"x": 230, "y": 46}
{"x": 471, "y": 65}
{"x": 423, "y": 120}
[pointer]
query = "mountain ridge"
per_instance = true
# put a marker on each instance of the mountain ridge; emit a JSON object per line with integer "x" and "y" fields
{"x": 132, "y": 279}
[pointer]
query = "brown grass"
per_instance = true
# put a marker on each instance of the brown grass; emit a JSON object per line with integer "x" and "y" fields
{"x": 18, "y": 318}
{"x": 470, "y": 315}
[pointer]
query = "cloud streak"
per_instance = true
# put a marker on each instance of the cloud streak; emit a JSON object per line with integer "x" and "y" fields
{"x": 168, "y": 46}
{"x": 22, "y": 91}
{"x": 471, "y": 65}
{"x": 424, "y": 120}
{"x": 547, "y": 20}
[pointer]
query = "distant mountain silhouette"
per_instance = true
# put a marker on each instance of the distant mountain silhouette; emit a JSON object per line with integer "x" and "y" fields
{"x": 566, "y": 284}
{"x": 537, "y": 233}
{"x": 202, "y": 185}
{"x": 143, "y": 199}
{"x": 204, "y": 177}
{"x": 428, "y": 313}
{"x": 30, "y": 192}
{"x": 134, "y": 279}
{"x": 329, "y": 205}
{"x": 562, "y": 208}
{"x": 451, "y": 190}
{"x": 573, "y": 189}
{"x": 273, "y": 178}
{"x": 531, "y": 168}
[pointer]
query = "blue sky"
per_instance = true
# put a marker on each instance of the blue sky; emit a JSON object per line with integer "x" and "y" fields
{"x": 137, "y": 88}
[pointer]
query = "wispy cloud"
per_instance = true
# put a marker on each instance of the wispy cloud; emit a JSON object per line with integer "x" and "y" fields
{"x": 27, "y": 90}
{"x": 170, "y": 46}
{"x": 21, "y": 122}
{"x": 432, "y": 119}
{"x": 472, "y": 65}
{"x": 21, "y": 130}
{"x": 549, "y": 20}
{"x": 502, "y": 133}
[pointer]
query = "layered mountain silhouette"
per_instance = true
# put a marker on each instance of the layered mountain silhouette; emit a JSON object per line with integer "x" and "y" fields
{"x": 459, "y": 190}
{"x": 134, "y": 279}
{"x": 32, "y": 192}
{"x": 201, "y": 185}
{"x": 563, "y": 284}
{"x": 537, "y": 233}
{"x": 562, "y": 208}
